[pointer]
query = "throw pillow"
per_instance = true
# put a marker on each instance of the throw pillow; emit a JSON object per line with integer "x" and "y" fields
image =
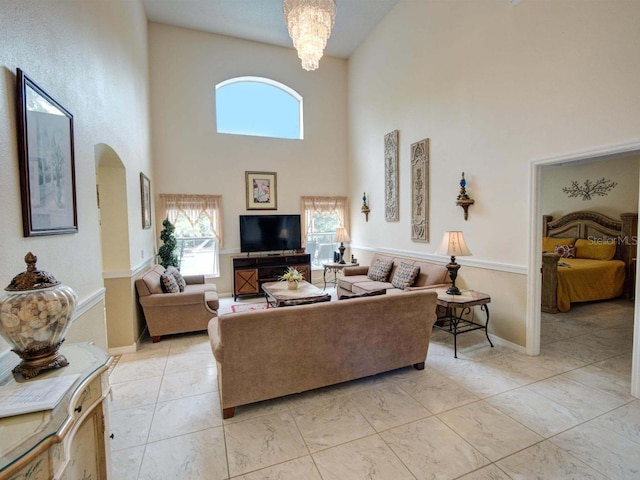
{"x": 565, "y": 251}
{"x": 168, "y": 283}
{"x": 405, "y": 275}
{"x": 379, "y": 271}
{"x": 178, "y": 276}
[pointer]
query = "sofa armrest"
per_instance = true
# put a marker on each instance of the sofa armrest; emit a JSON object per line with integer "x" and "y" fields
{"x": 172, "y": 299}
{"x": 348, "y": 271}
{"x": 214, "y": 338}
{"x": 193, "y": 279}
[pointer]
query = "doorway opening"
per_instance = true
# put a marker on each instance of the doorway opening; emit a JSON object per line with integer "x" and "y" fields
{"x": 533, "y": 323}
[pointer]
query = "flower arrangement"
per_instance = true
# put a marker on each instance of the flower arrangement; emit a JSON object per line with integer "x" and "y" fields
{"x": 292, "y": 275}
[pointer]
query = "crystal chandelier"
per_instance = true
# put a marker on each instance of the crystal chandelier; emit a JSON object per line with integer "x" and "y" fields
{"x": 309, "y": 23}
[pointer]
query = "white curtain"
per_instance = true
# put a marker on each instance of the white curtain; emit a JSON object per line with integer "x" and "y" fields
{"x": 192, "y": 207}
{"x": 323, "y": 206}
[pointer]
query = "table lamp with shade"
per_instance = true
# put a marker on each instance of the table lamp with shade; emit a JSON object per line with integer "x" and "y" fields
{"x": 342, "y": 236}
{"x": 453, "y": 245}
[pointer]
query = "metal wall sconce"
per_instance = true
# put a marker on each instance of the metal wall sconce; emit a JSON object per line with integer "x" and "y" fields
{"x": 365, "y": 207}
{"x": 463, "y": 199}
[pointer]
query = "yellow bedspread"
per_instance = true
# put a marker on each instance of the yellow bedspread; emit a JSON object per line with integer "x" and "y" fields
{"x": 584, "y": 280}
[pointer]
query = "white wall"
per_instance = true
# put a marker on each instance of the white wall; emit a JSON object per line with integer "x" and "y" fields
{"x": 92, "y": 58}
{"x": 494, "y": 86}
{"x": 624, "y": 171}
{"x": 191, "y": 157}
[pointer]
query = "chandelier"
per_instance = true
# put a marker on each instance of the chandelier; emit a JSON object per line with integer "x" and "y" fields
{"x": 309, "y": 23}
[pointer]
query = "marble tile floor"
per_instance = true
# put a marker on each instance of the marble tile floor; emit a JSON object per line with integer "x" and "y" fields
{"x": 491, "y": 414}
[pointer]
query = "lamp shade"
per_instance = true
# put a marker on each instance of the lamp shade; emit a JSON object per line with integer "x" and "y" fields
{"x": 453, "y": 245}
{"x": 341, "y": 235}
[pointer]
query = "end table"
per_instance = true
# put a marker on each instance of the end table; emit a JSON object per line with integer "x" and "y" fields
{"x": 335, "y": 268}
{"x": 456, "y": 306}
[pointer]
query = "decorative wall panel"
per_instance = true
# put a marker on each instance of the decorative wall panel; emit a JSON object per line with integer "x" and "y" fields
{"x": 391, "y": 210}
{"x": 420, "y": 191}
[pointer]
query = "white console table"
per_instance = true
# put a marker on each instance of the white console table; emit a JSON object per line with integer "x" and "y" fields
{"x": 70, "y": 441}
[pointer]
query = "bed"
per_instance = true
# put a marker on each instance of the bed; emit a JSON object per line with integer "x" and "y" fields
{"x": 587, "y": 256}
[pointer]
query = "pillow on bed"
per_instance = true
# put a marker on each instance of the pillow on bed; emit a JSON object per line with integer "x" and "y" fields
{"x": 565, "y": 251}
{"x": 595, "y": 249}
{"x": 549, "y": 243}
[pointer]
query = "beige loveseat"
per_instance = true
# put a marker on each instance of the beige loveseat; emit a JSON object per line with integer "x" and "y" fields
{"x": 270, "y": 353}
{"x": 356, "y": 281}
{"x": 169, "y": 313}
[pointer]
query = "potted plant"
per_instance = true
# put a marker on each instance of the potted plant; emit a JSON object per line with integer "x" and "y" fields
{"x": 292, "y": 277}
{"x": 167, "y": 252}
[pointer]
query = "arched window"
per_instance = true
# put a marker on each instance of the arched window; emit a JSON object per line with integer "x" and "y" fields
{"x": 258, "y": 106}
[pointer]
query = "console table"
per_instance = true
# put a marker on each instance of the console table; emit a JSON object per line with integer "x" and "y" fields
{"x": 69, "y": 441}
{"x": 335, "y": 268}
{"x": 250, "y": 272}
{"x": 455, "y": 307}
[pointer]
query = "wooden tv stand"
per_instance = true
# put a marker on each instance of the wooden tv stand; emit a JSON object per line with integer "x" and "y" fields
{"x": 250, "y": 272}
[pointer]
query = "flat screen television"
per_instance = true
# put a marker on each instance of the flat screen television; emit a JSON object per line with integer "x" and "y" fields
{"x": 268, "y": 233}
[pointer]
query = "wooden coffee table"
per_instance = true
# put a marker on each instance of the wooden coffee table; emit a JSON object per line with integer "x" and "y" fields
{"x": 279, "y": 295}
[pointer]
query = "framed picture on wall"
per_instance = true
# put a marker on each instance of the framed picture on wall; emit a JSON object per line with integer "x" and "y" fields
{"x": 46, "y": 162}
{"x": 145, "y": 200}
{"x": 261, "y": 190}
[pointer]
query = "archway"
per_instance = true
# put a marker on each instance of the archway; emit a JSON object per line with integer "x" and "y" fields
{"x": 111, "y": 188}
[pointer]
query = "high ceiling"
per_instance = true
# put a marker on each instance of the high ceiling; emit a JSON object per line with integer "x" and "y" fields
{"x": 263, "y": 21}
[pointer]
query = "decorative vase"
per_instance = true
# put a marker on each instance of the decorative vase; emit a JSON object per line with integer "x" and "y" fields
{"x": 292, "y": 285}
{"x": 34, "y": 317}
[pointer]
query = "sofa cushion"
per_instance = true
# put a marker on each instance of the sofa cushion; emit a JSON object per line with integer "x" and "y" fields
{"x": 370, "y": 286}
{"x": 346, "y": 282}
{"x": 431, "y": 274}
{"x": 178, "y": 276}
{"x": 379, "y": 271}
{"x": 149, "y": 283}
{"x": 405, "y": 275}
{"x": 169, "y": 284}
{"x": 373, "y": 293}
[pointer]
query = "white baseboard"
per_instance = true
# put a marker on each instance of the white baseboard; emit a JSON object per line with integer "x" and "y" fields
{"x": 133, "y": 348}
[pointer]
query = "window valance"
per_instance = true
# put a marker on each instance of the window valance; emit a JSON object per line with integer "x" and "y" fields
{"x": 193, "y": 207}
{"x": 324, "y": 206}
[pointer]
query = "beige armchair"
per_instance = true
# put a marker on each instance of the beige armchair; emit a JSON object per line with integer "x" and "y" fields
{"x": 170, "y": 313}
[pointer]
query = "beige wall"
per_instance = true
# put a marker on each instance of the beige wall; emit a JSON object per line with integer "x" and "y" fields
{"x": 92, "y": 58}
{"x": 494, "y": 86}
{"x": 190, "y": 157}
{"x": 624, "y": 170}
